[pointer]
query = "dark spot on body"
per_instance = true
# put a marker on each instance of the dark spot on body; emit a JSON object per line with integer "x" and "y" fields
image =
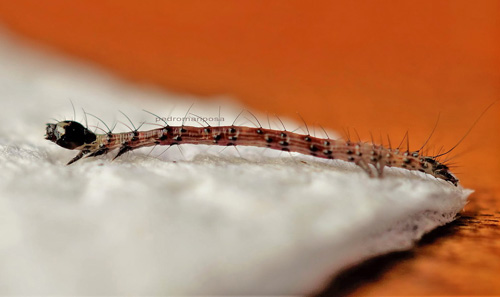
{"x": 283, "y": 143}
{"x": 429, "y": 160}
{"x": 441, "y": 167}
{"x": 135, "y": 137}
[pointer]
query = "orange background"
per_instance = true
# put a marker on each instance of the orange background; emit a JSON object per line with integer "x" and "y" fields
{"x": 379, "y": 66}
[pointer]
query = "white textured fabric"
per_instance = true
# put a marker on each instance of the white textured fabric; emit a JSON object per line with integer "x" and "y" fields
{"x": 209, "y": 223}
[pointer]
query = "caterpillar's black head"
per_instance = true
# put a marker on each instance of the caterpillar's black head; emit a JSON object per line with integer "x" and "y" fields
{"x": 69, "y": 134}
{"x": 441, "y": 170}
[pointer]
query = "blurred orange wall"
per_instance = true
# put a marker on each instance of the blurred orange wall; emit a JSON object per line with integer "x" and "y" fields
{"x": 387, "y": 66}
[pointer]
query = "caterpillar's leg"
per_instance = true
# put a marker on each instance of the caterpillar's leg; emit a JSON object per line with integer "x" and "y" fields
{"x": 98, "y": 153}
{"x": 380, "y": 168}
{"x": 84, "y": 153}
{"x": 361, "y": 163}
{"x": 76, "y": 158}
{"x": 123, "y": 150}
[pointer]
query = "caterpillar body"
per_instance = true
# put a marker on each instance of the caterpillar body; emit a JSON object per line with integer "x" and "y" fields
{"x": 372, "y": 158}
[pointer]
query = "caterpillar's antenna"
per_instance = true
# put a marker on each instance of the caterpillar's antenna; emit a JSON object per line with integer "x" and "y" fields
{"x": 468, "y": 131}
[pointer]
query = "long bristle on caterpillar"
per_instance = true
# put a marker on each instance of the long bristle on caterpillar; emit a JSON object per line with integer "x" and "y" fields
{"x": 370, "y": 157}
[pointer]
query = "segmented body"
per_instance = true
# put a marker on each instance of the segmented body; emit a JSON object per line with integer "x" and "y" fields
{"x": 72, "y": 135}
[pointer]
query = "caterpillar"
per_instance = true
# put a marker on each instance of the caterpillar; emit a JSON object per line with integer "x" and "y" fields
{"x": 370, "y": 157}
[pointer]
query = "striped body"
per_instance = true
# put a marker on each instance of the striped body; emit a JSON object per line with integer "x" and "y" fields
{"x": 68, "y": 134}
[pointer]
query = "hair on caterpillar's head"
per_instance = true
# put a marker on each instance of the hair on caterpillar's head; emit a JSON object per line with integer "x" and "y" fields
{"x": 69, "y": 134}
